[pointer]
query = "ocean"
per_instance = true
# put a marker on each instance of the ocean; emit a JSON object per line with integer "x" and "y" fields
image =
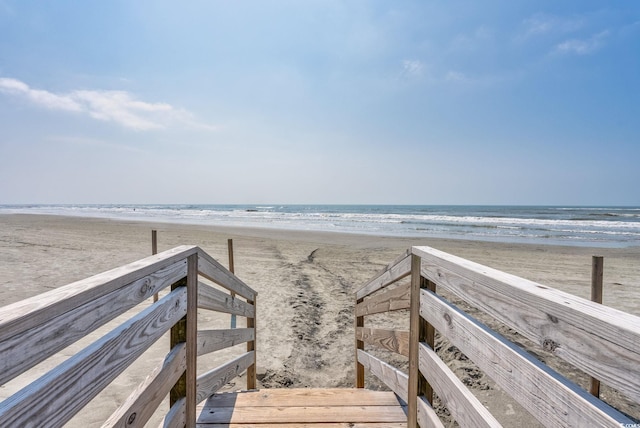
{"x": 557, "y": 225}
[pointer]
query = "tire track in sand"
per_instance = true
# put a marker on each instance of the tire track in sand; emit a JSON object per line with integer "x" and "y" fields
{"x": 320, "y": 321}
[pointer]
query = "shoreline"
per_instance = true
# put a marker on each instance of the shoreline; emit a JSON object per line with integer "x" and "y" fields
{"x": 270, "y": 231}
{"x": 601, "y": 227}
{"x": 306, "y": 282}
{"x": 559, "y": 266}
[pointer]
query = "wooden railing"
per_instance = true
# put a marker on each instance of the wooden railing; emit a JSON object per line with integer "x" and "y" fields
{"x": 32, "y": 330}
{"x": 600, "y": 341}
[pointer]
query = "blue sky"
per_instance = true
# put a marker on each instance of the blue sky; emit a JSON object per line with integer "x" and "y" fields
{"x": 414, "y": 102}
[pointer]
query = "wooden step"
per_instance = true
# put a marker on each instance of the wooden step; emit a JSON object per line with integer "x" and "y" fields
{"x": 290, "y": 408}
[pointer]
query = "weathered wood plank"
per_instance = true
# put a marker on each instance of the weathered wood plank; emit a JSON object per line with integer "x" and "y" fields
{"x": 393, "y": 340}
{"x": 395, "y": 379}
{"x": 427, "y": 417}
{"x": 178, "y": 335}
{"x": 359, "y": 323}
{"x": 58, "y": 395}
{"x": 145, "y": 399}
{"x": 387, "y": 300}
{"x": 465, "y": 408}
{"x": 428, "y": 336}
{"x": 268, "y": 403}
{"x": 597, "y": 274}
{"x": 396, "y": 270}
{"x": 599, "y": 340}
{"x": 307, "y": 414}
{"x": 414, "y": 338}
{"x": 177, "y": 416}
{"x": 23, "y": 351}
{"x": 548, "y": 396}
{"x": 299, "y": 397}
{"x": 192, "y": 340}
{"x": 215, "y": 340}
{"x": 214, "y": 271}
{"x": 216, "y": 300}
{"x": 26, "y": 314}
{"x": 211, "y": 381}
{"x": 307, "y": 425}
{"x": 251, "y": 347}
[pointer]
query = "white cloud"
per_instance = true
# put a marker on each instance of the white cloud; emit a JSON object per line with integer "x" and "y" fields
{"x": 541, "y": 23}
{"x": 582, "y": 46}
{"x": 120, "y": 107}
{"x": 412, "y": 68}
{"x": 457, "y": 77}
{"x": 43, "y": 98}
{"x": 111, "y": 106}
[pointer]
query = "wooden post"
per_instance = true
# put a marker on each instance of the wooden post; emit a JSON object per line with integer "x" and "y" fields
{"x": 251, "y": 345}
{"x": 416, "y": 331}
{"x": 192, "y": 340}
{"x": 232, "y": 270}
{"x": 154, "y": 251}
{"x": 230, "y": 247}
{"x": 359, "y": 345}
{"x": 186, "y": 330}
{"x": 178, "y": 334}
{"x": 597, "y": 273}
{"x": 427, "y": 335}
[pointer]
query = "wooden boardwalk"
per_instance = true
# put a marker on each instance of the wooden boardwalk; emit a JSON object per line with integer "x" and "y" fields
{"x": 313, "y": 408}
{"x": 600, "y": 341}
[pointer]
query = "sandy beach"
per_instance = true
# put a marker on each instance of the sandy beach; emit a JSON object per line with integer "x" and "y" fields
{"x": 305, "y": 282}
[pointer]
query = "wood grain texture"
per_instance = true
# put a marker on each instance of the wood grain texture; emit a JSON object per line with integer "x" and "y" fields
{"x": 214, "y": 271}
{"x": 17, "y": 318}
{"x": 597, "y": 274}
{"x": 303, "y": 407}
{"x": 251, "y": 347}
{"x": 414, "y": 338}
{"x": 395, "y": 379}
{"x": 398, "y": 269}
{"x": 427, "y": 417}
{"x": 211, "y": 381}
{"x": 54, "y": 398}
{"x": 387, "y": 300}
{"x": 465, "y": 408}
{"x": 192, "y": 340}
{"x": 216, "y": 300}
{"x": 59, "y": 330}
{"x": 178, "y": 335}
{"x": 215, "y": 340}
{"x": 548, "y": 396}
{"x": 428, "y": 336}
{"x": 298, "y": 397}
{"x": 307, "y": 414}
{"x": 393, "y": 340}
{"x": 599, "y": 340}
{"x": 309, "y": 425}
{"x": 176, "y": 417}
{"x": 145, "y": 399}
{"x": 154, "y": 250}
{"x": 359, "y": 323}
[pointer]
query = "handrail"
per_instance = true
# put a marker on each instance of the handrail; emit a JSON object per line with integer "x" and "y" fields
{"x": 599, "y": 340}
{"x": 34, "y": 329}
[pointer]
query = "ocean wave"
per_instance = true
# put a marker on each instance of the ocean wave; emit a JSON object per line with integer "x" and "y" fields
{"x": 611, "y": 225}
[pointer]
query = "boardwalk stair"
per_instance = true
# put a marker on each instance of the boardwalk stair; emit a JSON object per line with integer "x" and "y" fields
{"x": 313, "y": 408}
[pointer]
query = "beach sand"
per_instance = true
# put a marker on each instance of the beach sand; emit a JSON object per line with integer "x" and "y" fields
{"x": 306, "y": 283}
